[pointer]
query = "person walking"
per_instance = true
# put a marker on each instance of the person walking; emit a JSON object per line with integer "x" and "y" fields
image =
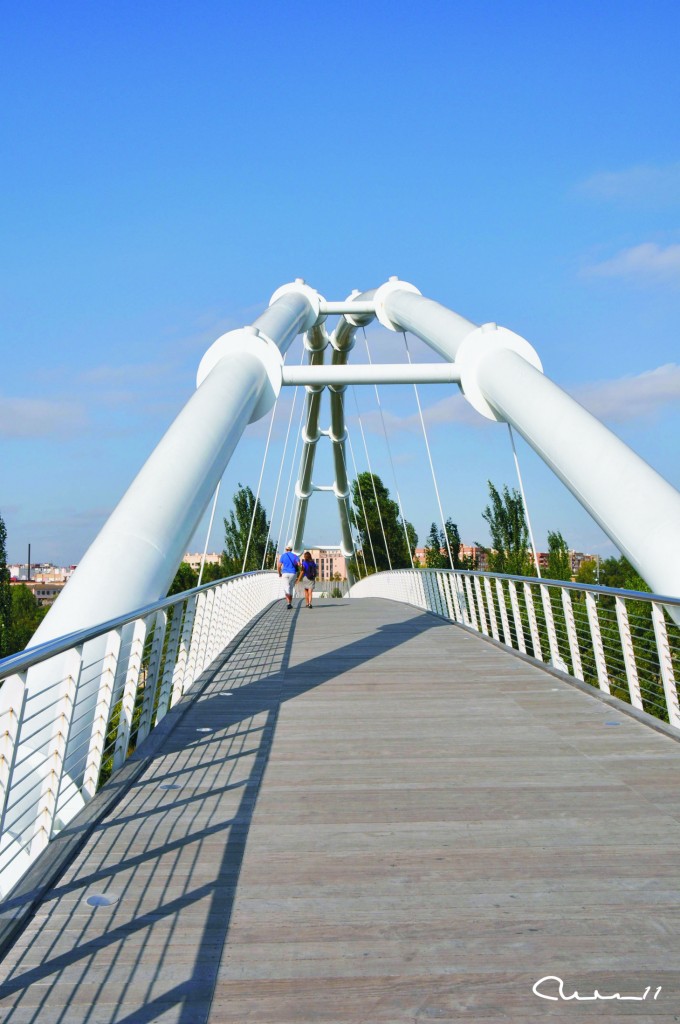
{"x": 307, "y": 574}
{"x": 288, "y": 567}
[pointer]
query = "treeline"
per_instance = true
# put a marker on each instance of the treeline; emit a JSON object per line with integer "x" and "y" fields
{"x": 20, "y": 612}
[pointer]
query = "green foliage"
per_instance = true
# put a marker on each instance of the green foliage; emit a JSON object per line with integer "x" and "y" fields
{"x": 559, "y": 563}
{"x": 436, "y": 549}
{"x": 26, "y": 615}
{"x": 185, "y": 579}
{"x": 587, "y": 572}
{"x": 435, "y": 558}
{"x": 236, "y": 531}
{"x": 212, "y": 571}
{"x": 5, "y": 595}
{"x": 364, "y": 491}
{"x": 509, "y": 532}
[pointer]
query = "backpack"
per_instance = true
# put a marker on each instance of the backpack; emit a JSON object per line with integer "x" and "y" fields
{"x": 310, "y": 569}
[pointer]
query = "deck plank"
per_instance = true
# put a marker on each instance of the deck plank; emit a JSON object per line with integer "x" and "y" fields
{"x": 389, "y": 821}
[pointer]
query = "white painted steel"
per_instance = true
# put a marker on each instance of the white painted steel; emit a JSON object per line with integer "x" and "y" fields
{"x": 516, "y": 617}
{"x": 572, "y": 635}
{"x": 134, "y": 558}
{"x": 666, "y": 664}
{"x": 501, "y": 374}
{"x": 628, "y": 653}
{"x": 619, "y": 655}
{"x": 370, "y": 373}
{"x": 596, "y": 637}
{"x": 38, "y": 795}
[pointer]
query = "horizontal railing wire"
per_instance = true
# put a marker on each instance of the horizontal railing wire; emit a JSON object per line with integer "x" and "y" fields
{"x": 73, "y": 710}
{"x": 622, "y": 642}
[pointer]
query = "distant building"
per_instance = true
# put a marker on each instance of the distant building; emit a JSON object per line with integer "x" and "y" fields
{"x": 44, "y": 593}
{"x": 213, "y": 558}
{"x": 41, "y": 572}
{"x": 578, "y": 558}
{"x": 330, "y": 562}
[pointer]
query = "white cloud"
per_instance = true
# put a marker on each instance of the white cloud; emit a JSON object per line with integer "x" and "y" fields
{"x": 451, "y": 409}
{"x": 659, "y": 186}
{"x": 646, "y": 262}
{"x": 627, "y": 398}
{"x": 632, "y": 397}
{"x": 37, "y": 417}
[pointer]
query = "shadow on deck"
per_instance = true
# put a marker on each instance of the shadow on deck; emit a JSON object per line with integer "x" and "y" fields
{"x": 368, "y": 814}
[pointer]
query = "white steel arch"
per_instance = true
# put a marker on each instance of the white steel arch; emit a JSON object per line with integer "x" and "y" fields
{"x": 134, "y": 558}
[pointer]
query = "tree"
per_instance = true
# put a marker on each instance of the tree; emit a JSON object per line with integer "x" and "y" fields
{"x": 237, "y": 528}
{"x": 381, "y": 517}
{"x": 509, "y": 532}
{"x": 453, "y": 534}
{"x": 5, "y": 595}
{"x": 26, "y": 615}
{"x": 587, "y": 572}
{"x": 559, "y": 562}
{"x": 186, "y": 578}
{"x": 435, "y": 549}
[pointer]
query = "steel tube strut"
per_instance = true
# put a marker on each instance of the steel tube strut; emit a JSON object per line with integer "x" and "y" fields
{"x": 135, "y": 556}
{"x": 372, "y": 373}
{"x": 501, "y": 376}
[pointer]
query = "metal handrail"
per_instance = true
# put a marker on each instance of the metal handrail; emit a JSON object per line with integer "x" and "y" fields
{"x": 16, "y": 663}
{"x": 635, "y": 656}
{"x": 73, "y": 709}
{"x": 633, "y": 595}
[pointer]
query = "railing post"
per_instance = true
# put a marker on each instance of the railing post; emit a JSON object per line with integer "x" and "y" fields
{"x": 471, "y": 604}
{"x": 170, "y": 659}
{"x": 517, "y": 617}
{"x": 454, "y": 583}
{"x": 100, "y": 723}
{"x": 572, "y": 634}
{"x": 446, "y": 587}
{"x": 596, "y": 637}
{"x": 191, "y": 671}
{"x": 555, "y": 656}
{"x": 490, "y": 606}
{"x": 182, "y": 664}
{"x": 500, "y": 594}
{"x": 127, "y": 709}
{"x": 628, "y": 653}
{"x": 480, "y": 605}
{"x": 666, "y": 664}
{"x": 10, "y": 727}
{"x": 533, "y": 625}
{"x": 56, "y": 753}
{"x": 152, "y": 676}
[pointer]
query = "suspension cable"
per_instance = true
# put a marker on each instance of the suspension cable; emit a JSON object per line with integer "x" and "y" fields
{"x": 375, "y": 493}
{"x": 389, "y": 452}
{"x": 259, "y": 485}
{"x": 524, "y": 502}
{"x": 429, "y": 456}
{"x": 278, "y": 479}
{"x": 286, "y": 529}
{"x": 363, "y": 506}
{"x": 351, "y": 515}
{"x": 207, "y": 536}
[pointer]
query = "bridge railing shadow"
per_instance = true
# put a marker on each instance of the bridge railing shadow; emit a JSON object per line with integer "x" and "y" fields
{"x": 171, "y": 852}
{"x": 625, "y": 643}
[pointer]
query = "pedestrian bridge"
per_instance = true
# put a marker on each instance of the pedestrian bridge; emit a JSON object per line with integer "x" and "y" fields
{"x": 451, "y": 796}
{"x": 365, "y": 814}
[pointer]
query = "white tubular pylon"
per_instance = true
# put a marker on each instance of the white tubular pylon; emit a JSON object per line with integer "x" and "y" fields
{"x": 501, "y": 376}
{"x": 132, "y": 561}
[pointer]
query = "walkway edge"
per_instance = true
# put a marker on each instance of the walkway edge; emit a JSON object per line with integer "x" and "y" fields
{"x": 20, "y": 905}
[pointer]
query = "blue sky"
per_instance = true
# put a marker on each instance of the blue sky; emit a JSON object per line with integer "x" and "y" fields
{"x": 165, "y": 167}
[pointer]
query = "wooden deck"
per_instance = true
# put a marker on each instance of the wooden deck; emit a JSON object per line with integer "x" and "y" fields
{"x": 389, "y": 820}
